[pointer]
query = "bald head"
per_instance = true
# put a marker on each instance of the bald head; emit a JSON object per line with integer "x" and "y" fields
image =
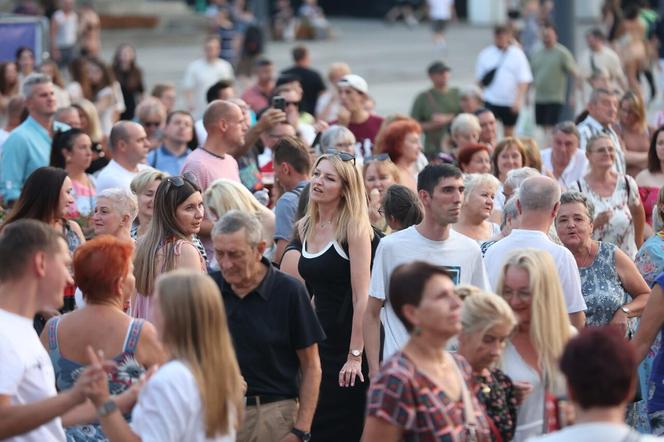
{"x": 539, "y": 193}
{"x": 219, "y": 110}
{"x": 121, "y": 131}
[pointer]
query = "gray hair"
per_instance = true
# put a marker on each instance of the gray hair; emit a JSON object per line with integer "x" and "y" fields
{"x": 465, "y": 123}
{"x": 596, "y": 94}
{"x": 121, "y": 200}
{"x": 33, "y": 80}
{"x": 473, "y": 180}
{"x": 568, "y": 128}
{"x": 516, "y": 177}
{"x": 572, "y": 196}
{"x": 235, "y": 221}
{"x": 510, "y": 210}
{"x": 595, "y": 138}
{"x": 332, "y": 135}
{"x": 541, "y": 193}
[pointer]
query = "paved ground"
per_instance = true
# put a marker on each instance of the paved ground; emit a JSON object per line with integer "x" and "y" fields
{"x": 392, "y": 59}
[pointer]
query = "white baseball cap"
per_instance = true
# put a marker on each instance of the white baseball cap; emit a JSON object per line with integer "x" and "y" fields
{"x": 356, "y": 82}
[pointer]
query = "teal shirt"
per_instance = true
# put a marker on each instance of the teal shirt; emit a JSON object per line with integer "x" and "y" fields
{"x": 27, "y": 148}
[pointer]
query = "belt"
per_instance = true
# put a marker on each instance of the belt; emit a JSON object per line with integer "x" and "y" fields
{"x": 262, "y": 400}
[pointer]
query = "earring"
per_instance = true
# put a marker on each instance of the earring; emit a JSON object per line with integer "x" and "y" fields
{"x": 417, "y": 331}
{"x": 68, "y": 159}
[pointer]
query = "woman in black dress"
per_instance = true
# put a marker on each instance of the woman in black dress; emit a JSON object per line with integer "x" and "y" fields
{"x": 336, "y": 261}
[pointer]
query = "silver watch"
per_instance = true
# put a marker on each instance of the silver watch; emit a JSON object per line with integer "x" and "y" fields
{"x": 356, "y": 353}
{"x": 107, "y": 408}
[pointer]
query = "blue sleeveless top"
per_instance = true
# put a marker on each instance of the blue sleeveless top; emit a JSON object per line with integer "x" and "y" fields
{"x": 128, "y": 371}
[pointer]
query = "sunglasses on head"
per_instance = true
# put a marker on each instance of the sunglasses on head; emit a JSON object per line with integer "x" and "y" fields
{"x": 178, "y": 181}
{"x": 343, "y": 156}
{"x": 379, "y": 157}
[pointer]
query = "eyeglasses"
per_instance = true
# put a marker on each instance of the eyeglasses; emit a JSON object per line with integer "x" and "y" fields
{"x": 521, "y": 296}
{"x": 151, "y": 123}
{"x": 379, "y": 157}
{"x": 343, "y": 156}
{"x": 178, "y": 181}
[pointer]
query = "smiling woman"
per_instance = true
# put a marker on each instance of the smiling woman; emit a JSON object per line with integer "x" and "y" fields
{"x": 167, "y": 245}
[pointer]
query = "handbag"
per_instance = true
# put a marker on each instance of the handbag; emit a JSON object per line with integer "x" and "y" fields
{"x": 489, "y": 76}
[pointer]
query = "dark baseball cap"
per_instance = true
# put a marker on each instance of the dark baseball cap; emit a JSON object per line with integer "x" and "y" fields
{"x": 437, "y": 67}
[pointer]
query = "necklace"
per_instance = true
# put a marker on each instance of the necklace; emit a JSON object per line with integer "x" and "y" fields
{"x": 213, "y": 154}
{"x": 588, "y": 259}
{"x": 324, "y": 224}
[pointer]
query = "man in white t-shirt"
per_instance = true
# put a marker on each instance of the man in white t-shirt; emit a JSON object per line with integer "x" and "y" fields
{"x": 440, "y": 189}
{"x": 203, "y": 73}
{"x": 538, "y": 202}
{"x": 564, "y": 160}
{"x": 130, "y": 146}
{"x": 505, "y": 94}
{"x": 34, "y": 263}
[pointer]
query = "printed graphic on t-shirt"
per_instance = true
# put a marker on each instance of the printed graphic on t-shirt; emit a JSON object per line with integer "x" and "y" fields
{"x": 455, "y": 273}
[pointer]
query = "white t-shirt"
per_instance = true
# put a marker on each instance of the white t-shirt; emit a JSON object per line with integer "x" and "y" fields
{"x": 169, "y": 408}
{"x": 458, "y": 254}
{"x": 592, "y": 432}
{"x": 514, "y": 69}
{"x": 575, "y": 170}
{"x": 440, "y": 9}
{"x": 67, "y": 28}
{"x": 568, "y": 271}
{"x": 116, "y": 176}
{"x": 200, "y": 75}
{"x": 26, "y": 373}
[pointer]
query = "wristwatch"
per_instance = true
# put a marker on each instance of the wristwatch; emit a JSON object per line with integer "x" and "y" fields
{"x": 356, "y": 353}
{"x": 107, "y": 408}
{"x": 303, "y": 435}
{"x": 626, "y": 310}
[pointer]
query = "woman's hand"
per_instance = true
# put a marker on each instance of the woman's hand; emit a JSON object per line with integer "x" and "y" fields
{"x": 521, "y": 391}
{"x": 351, "y": 369}
{"x": 375, "y": 216}
{"x": 602, "y": 219}
{"x": 93, "y": 380}
{"x": 620, "y": 320}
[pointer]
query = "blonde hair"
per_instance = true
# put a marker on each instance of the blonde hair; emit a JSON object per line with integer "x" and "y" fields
{"x": 144, "y": 178}
{"x": 387, "y": 165}
{"x": 352, "y": 208}
{"x": 94, "y": 123}
{"x": 482, "y": 310}
{"x": 471, "y": 181}
{"x": 196, "y": 332}
{"x": 550, "y": 328}
{"x": 225, "y": 195}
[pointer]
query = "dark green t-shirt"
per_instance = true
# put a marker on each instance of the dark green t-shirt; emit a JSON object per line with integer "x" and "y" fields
{"x": 430, "y": 102}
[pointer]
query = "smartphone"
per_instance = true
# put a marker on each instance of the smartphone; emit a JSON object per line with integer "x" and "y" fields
{"x": 279, "y": 102}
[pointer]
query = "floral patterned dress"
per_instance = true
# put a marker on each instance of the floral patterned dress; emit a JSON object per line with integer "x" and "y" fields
{"x": 620, "y": 228}
{"x": 407, "y": 398}
{"x": 495, "y": 392}
{"x": 129, "y": 370}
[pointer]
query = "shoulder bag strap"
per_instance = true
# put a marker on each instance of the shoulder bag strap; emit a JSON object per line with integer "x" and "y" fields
{"x": 471, "y": 423}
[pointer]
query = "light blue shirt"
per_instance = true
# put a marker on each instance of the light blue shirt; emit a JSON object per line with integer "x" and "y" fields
{"x": 161, "y": 159}
{"x": 27, "y": 148}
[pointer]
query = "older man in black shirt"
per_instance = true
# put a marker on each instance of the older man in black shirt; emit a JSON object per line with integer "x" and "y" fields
{"x": 275, "y": 332}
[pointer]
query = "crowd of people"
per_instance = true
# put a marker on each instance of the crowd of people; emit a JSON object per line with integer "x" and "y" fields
{"x": 274, "y": 261}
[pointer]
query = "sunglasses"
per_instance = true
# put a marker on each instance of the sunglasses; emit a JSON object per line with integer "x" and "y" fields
{"x": 343, "y": 156}
{"x": 178, "y": 181}
{"x": 379, "y": 157}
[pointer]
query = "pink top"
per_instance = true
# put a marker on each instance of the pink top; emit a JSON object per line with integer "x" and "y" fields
{"x": 208, "y": 167}
{"x": 141, "y": 305}
{"x": 649, "y": 200}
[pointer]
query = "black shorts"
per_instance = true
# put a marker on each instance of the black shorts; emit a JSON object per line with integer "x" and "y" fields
{"x": 503, "y": 113}
{"x": 547, "y": 114}
{"x": 438, "y": 26}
